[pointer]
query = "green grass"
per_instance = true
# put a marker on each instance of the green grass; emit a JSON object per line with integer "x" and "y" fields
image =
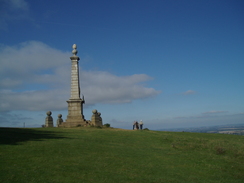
{"x": 114, "y": 155}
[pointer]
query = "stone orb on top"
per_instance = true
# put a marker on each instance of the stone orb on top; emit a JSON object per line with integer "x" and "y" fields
{"x": 74, "y": 51}
{"x": 49, "y": 113}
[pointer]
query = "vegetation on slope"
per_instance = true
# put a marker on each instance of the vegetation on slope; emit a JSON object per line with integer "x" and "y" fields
{"x": 114, "y": 155}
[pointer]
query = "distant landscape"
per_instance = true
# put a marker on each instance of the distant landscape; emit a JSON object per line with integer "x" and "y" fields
{"x": 234, "y": 129}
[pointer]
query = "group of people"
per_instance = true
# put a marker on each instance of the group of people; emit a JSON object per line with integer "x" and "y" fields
{"x": 136, "y": 125}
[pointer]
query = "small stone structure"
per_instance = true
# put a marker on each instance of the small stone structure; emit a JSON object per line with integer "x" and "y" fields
{"x": 101, "y": 120}
{"x": 49, "y": 119}
{"x": 96, "y": 118}
{"x": 59, "y": 120}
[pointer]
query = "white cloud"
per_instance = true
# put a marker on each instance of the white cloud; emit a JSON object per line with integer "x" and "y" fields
{"x": 11, "y": 10}
{"x": 18, "y": 4}
{"x": 189, "y": 92}
{"x": 199, "y": 120}
{"x": 202, "y": 115}
{"x": 113, "y": 89}
{"x": 33, "y": 100}
{"x": 214, "y": 112}
{"x": 30, "y": 56}
{"x": 34, "y": 76}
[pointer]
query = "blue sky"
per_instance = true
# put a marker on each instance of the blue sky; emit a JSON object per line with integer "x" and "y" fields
{"x": 170, "y": 63}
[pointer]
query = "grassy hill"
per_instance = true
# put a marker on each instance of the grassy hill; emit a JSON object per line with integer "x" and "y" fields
{"x": 116, "y": 155}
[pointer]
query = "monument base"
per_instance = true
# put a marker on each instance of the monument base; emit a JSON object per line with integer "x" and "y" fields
{"x": 75, "y": 116}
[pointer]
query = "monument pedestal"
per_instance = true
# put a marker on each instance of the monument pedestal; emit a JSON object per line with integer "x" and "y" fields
{"x": 75, "y": 117}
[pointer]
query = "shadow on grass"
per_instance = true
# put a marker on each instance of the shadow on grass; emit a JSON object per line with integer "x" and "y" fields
{"x": 12, "y": 136}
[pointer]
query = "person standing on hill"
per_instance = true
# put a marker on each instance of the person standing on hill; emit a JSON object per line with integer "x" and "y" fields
{"x": 141, "y": 124}
{"x": 134, "y": 125}
{"x": 137, "y": 125}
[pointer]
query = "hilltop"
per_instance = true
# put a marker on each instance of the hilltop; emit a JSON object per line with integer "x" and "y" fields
{"x": 116, "y": 155}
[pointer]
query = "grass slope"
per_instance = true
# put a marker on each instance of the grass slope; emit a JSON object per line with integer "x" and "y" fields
{"x": 114, "y": 155}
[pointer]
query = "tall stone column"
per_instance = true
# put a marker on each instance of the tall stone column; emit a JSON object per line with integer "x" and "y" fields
{"x": 75, "y": 84}
{"x": 75, "y": 115}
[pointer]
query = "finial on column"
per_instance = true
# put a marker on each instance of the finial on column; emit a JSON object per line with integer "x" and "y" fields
{"x": 74, "y": 51}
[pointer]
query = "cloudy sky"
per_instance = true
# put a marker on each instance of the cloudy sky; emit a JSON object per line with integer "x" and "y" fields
{"x": 170, "y": 63}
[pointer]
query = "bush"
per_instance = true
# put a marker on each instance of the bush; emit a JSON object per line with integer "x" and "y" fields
{"x": 107, "y": 125}
{"x": 145, "y": 129}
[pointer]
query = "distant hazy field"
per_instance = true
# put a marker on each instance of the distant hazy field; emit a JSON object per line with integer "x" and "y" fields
{"x": 54, "y": 155}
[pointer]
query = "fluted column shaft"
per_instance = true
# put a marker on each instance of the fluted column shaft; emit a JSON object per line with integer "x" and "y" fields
{"x": 75, "y": 84}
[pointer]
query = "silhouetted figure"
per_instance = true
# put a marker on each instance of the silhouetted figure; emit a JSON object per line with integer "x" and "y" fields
{"x": 137, "y": 125}
{"x": 141, "y": 124}
{"x": 134, "y": 124}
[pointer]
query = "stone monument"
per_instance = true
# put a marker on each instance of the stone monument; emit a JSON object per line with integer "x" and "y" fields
{"x": 75, "y": 115}
{"x": 59, "y": 120}
{"x": 49, "y": 119}
{"x": 96, "y": 118}
{"x": 100, "y": 118}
